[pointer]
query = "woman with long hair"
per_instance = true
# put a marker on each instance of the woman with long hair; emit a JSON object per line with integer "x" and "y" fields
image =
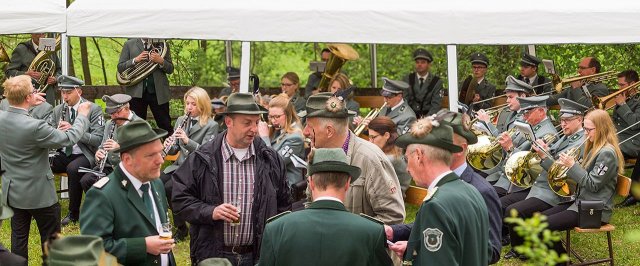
{"x": 284, "y": 135}
{"x": 596, "y": 176}
{"x": 341, "y": 82}
{"x": 290, "y": 85}
{"x": 383, "y": 133}
{"x": 197, "y": 131}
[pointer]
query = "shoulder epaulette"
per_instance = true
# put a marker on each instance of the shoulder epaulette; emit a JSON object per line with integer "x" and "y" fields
{"x": 275, "y": 217}
{"x": 100, "y": 183}
{"x": 371, "y": 218}
{"x": 430, "y": 194}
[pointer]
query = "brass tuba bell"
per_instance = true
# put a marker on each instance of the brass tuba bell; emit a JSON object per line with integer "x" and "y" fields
{"x": 340, "y": 54}
{"x": 4, "y": 57}
{"x": 487, "y": 153}
{"x": 138, "y": 72}
{"x": 45, "y": 65}
{"x": 523, "y": 167}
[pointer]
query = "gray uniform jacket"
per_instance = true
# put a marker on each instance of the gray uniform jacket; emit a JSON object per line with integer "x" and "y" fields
{"x": 624, "y": 116}
{"x": 41, "y": 111}
{"x": 112, "y": 157}
{"x": 598, "y": 181}
{"x": 131, "y": 49}
{"x": 578, "y": 95}
{"x": 504, "y": 123}
{"x": 287, "y": 144}
{"x": 225, "y": 92}
{"x": 197, "y": 136}
{"x": 21, "y": 59}
{"x": 521, "y": 144}
{"x": 484, "y": 89}
{"x": 419, "y": 98}
{"x": 92, "y": 138}
{"x": 24, "y": 147}
{"x": 540, "y": 188}
{"x": 403, "y": 116}
{"x": 298, "y": 102}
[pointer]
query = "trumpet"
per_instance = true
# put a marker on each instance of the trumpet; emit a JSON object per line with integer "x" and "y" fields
{"x": 601, "y": 102}
{"x": 172, "y": 138}
{"x": 493, "y": 112}
{"x": 560, "y": 84}
{"x": 371, "y": 115}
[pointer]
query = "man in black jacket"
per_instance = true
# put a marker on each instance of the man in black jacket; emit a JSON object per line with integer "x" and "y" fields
{"x": 229, "y": 187}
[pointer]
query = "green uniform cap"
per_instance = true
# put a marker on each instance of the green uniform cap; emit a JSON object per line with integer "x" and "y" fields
{"x": 422, "y": 53}
{"x": 242, "y": 103}
{"x": 332, "y": 160}
{"x": 427, "y": 131}
{"x": 516, "y": 85}
{"x": 80, "y": 250}
{"x": 529, "y": 60}
{"x": 68, "y": 82}
{"x": 115, "y": 102}
{"x": 479, "y": 58}
{"x": 460, "y": 124}
{"x": 136, "y": 133}
{"x": 326, "y": 105}
{"x": 569, "y": 108}
{"x": 392, "y": 87}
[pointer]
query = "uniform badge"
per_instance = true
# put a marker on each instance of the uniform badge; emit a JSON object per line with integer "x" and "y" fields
{"x": 601, "y": 169}
{"x": 537, "y": 127}
{"x": 101, "y": 120}
{"x": 402, "y": 108}
{"x": 124, "y": 183}
{"x": 100, "y": 183}
{"x": 432, "y": 239}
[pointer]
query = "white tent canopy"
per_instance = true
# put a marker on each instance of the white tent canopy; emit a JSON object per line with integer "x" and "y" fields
{"x": 362, "y": 21}
{"x": 33, "y": 16}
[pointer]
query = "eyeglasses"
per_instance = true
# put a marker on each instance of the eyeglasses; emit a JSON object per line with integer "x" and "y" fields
{"x": 373, "y": 137}
{"x": 287, "y": 84}
{"x": 405, "y": 158}
{"x": 272, "y": 117}
{"x": 567, "y": 120}
{"x": 478, "y": 67}
{"x": 588, "y": 130}
{"x": 584, "y": 67}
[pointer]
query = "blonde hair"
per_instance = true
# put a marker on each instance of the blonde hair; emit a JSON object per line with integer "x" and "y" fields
{"x": 605, "y": 135}
{"x": 344, "y": 82}
{"x": 17, "y": 88}
{"x": 283, "y": 101}
{"x": 203, "y": 102}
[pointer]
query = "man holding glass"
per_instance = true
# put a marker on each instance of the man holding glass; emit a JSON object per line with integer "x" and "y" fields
{"x": 230, "y": 186}
{"x": 128, "y": 209}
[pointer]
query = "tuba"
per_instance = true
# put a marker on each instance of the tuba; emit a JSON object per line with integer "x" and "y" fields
{"x": 45, "y": 65}
{"x": 340, "y": 54}
{"x": 135, "y": 74}
{"x": 523, "y": 167}
{"x": 4, "y": 57}
{"x": 487, "y": 153}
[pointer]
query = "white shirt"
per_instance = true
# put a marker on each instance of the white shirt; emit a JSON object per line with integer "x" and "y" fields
{"x": 239, "y": 153}
{"x": 480, "y": 80}
{"x": 423, "y": 77}
{"x": 531, "y": 79}
{"x": 76, "y": 148}
{"x": 164, "y": 258}
{"x": 397, "y": 105}
{"x": 435, "y": 181}
{"x": 327, "y": 198}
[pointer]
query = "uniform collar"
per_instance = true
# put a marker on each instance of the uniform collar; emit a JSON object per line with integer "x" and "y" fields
{"x": 436, "y": 181}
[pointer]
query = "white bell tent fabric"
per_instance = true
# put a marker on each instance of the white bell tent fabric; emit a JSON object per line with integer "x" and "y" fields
{"x": 33, "y": 16}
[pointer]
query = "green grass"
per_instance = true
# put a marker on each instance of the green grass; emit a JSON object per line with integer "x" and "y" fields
{"x": 588, "y": 245}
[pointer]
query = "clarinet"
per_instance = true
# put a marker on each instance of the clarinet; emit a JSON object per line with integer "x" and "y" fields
{"x": 172, "y": 138}
{"x": 104, "y": 160}
{"x": 64, "y": 113}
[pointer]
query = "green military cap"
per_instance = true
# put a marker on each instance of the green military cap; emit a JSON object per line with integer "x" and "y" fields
{"x": 529, "y": 60}
{"x": 478, "y": 58}
{"x": 326, "y": 105}
{"x": 233, "y": 73}
{"x": 242, "y": 103}
{"x": 527, "y": 103}
{"x": 569, "y": 108}
{"x": 515, "y": 85}
{"x": 80, "y": 250}
{"x": 215, "y": 262}
{"x": 392, "y": 87}
{"x": 5, "y": 211}
{"x": 459, "y": 122}
{"x": 331, "y": 160}
{"x": 115, "y": 102}
{"x": 68, "y": 82}
{"x": 430, "y": 132}
{"x": 136, "y": 133}
{"x": 422, "y": 53}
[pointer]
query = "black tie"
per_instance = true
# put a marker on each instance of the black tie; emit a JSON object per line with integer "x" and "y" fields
{"x": 146, "y": 198}
{"x": 421, "y": 82}
{"x": 526, "y": 80}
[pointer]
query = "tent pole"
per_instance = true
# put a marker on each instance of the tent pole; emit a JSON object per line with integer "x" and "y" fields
{"x": 373, "y": 50}
{"x": 64, "y": 47}
{"x": 245, "y": 59}
{"x": 452, "y": 70}
{"x": 228, "y": 53}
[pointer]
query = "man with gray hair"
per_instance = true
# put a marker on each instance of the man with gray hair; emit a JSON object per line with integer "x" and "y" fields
{"x": 377, "y": 191}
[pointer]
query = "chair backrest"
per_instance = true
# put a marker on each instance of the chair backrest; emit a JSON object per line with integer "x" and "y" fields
{"x": 623, "y": 186}
{"x": 415, "y": 195}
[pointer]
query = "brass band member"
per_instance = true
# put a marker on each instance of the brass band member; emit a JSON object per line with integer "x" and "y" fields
{"x": 626, "y": 113}
{"x": 476, "y": 87}
{"x": 596, "y": 176}
{"x": 383, "y": 133}
{"x": 342, "y": 82}
{"x": 425, "y": 88}
{"x": 233, "y": 77}
{"x": 529, "y": 74}
{"x": 395, "y": 106}
{"x": 587, "y": 66}
{"x": 541, "y": 197}
{"x": 290, "y": 85}
{"x": 80, "y": 154}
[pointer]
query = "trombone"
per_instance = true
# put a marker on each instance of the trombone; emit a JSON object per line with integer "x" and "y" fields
{"x": 560, "y": 84}
{"x": 601, "y": 102}
{"x": 371, "y": 115}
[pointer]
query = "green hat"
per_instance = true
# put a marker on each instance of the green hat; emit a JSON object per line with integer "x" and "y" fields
{"x": 326, "y": 105}
{"x": 233, "y": 73}
{"x": 479, "y": 58}
{"x": 136, "y": 133}
{"x": 392, "y": 87}
{"x": 427, "y": 131}
{"x": 115, "y": 102}
{"x": 569, "y": 108}
{"x": 79, "y": 250}
{"x": 527, "y": 103}
{"x": 332, "y": 160}
{"x": 242, "y": 103}
{"x": 529, "y": 60}
{"x": 68, "y": 82}
{"x": 215, "y": 262}
{"x": 5, "y": 211}
{"x": 460, "y": 123}
{"x": 422, "y": 53}
{"x": 516, "y": 85}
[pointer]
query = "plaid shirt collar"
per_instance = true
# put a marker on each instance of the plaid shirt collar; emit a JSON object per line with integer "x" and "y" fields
{"x": 227, "y": 151}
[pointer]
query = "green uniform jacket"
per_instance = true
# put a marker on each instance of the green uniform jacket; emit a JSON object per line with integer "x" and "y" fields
{"x": 21, "y": 59}
{"x": 92, "y": 138}
{"x": 116, "y": 213}
{"x": 578, "y": 95}
{"x": 403, "y": 116}
{"x": 24, "y": 148}
{"x": 540, "y": 188}
{"x": 114, "y": 158}
{"x": 624, "y": 116}
{"x": 41, "y": 111}
{"x": 419, "y": 98}
{"x": 598, "y": 182}
{"x": 451, "y": 227}
{"x": 131, "y": 49}
{"x": 197, "y": 135}
{"x": 323, "y": 234}
{"x": 520, "y": 143}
